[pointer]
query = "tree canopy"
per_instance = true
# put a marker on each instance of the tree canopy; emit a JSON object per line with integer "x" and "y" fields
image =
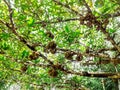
{"x": 62, "y": 44}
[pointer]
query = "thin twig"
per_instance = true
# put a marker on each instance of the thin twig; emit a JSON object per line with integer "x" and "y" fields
{"x": 110, "y": 38}
{"x": 116, "y": 14}
{"x": 57, "y": 21}
{"x": 93, "y": 74}
{"x": 106, "y": 49}
{"x": 87, "y": 6}
{"x": 67, "y": 6}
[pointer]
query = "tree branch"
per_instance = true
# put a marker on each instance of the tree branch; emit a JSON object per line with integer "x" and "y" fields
{"x": 57, "y": 21}
{"x": 93, "y": 74}
{"x": 67, "y": 6}
{"x": 116, "y": 14}
{"x": 110, "y": 38}
{"x": 104, "y": 62}
{"x": 87, "y": 6}
{"x": 85, "y": 54}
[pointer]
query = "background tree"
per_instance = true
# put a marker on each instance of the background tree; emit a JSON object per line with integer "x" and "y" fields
{"x": 63, "y": 44}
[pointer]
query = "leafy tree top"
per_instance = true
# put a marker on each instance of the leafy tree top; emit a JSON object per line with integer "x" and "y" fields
{"x": 46, "y": 42}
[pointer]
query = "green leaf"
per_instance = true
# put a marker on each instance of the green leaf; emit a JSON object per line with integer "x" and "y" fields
{"x": 2, "y": 58}
{"x": 105, "y": 10}
{"x": 67, "y": 29}
{"x": 21, "y": 17}
{"x": 99, "y": 3}
{"x": 25, "y": 54}
{"x": 30, "y": 21}
{"x": 5, "y": 46}
{"x": 4, "y": 36}
{"x": 111, "y": 30}
{"x": 36, "y": 61}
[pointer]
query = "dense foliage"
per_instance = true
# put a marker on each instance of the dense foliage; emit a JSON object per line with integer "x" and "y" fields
{"x": 62, "y": 44}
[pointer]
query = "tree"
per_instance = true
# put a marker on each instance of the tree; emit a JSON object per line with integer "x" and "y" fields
{"x": 68, "y": 44}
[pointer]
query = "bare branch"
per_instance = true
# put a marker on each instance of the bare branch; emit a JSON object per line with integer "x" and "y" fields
{"x": 93, "y": 74}
{"x": 57, "y": 21}
{"x": 86, "y": 54}
{"x": 107, "y": 61}
{"x": 87, "y": 6}
{"x": 106, "y": 49}
{"x": 2, "y": 22}
{"x": 116, "y": 14}
{"x": 110, "y": 38}
{"x": 10, "y": 13}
